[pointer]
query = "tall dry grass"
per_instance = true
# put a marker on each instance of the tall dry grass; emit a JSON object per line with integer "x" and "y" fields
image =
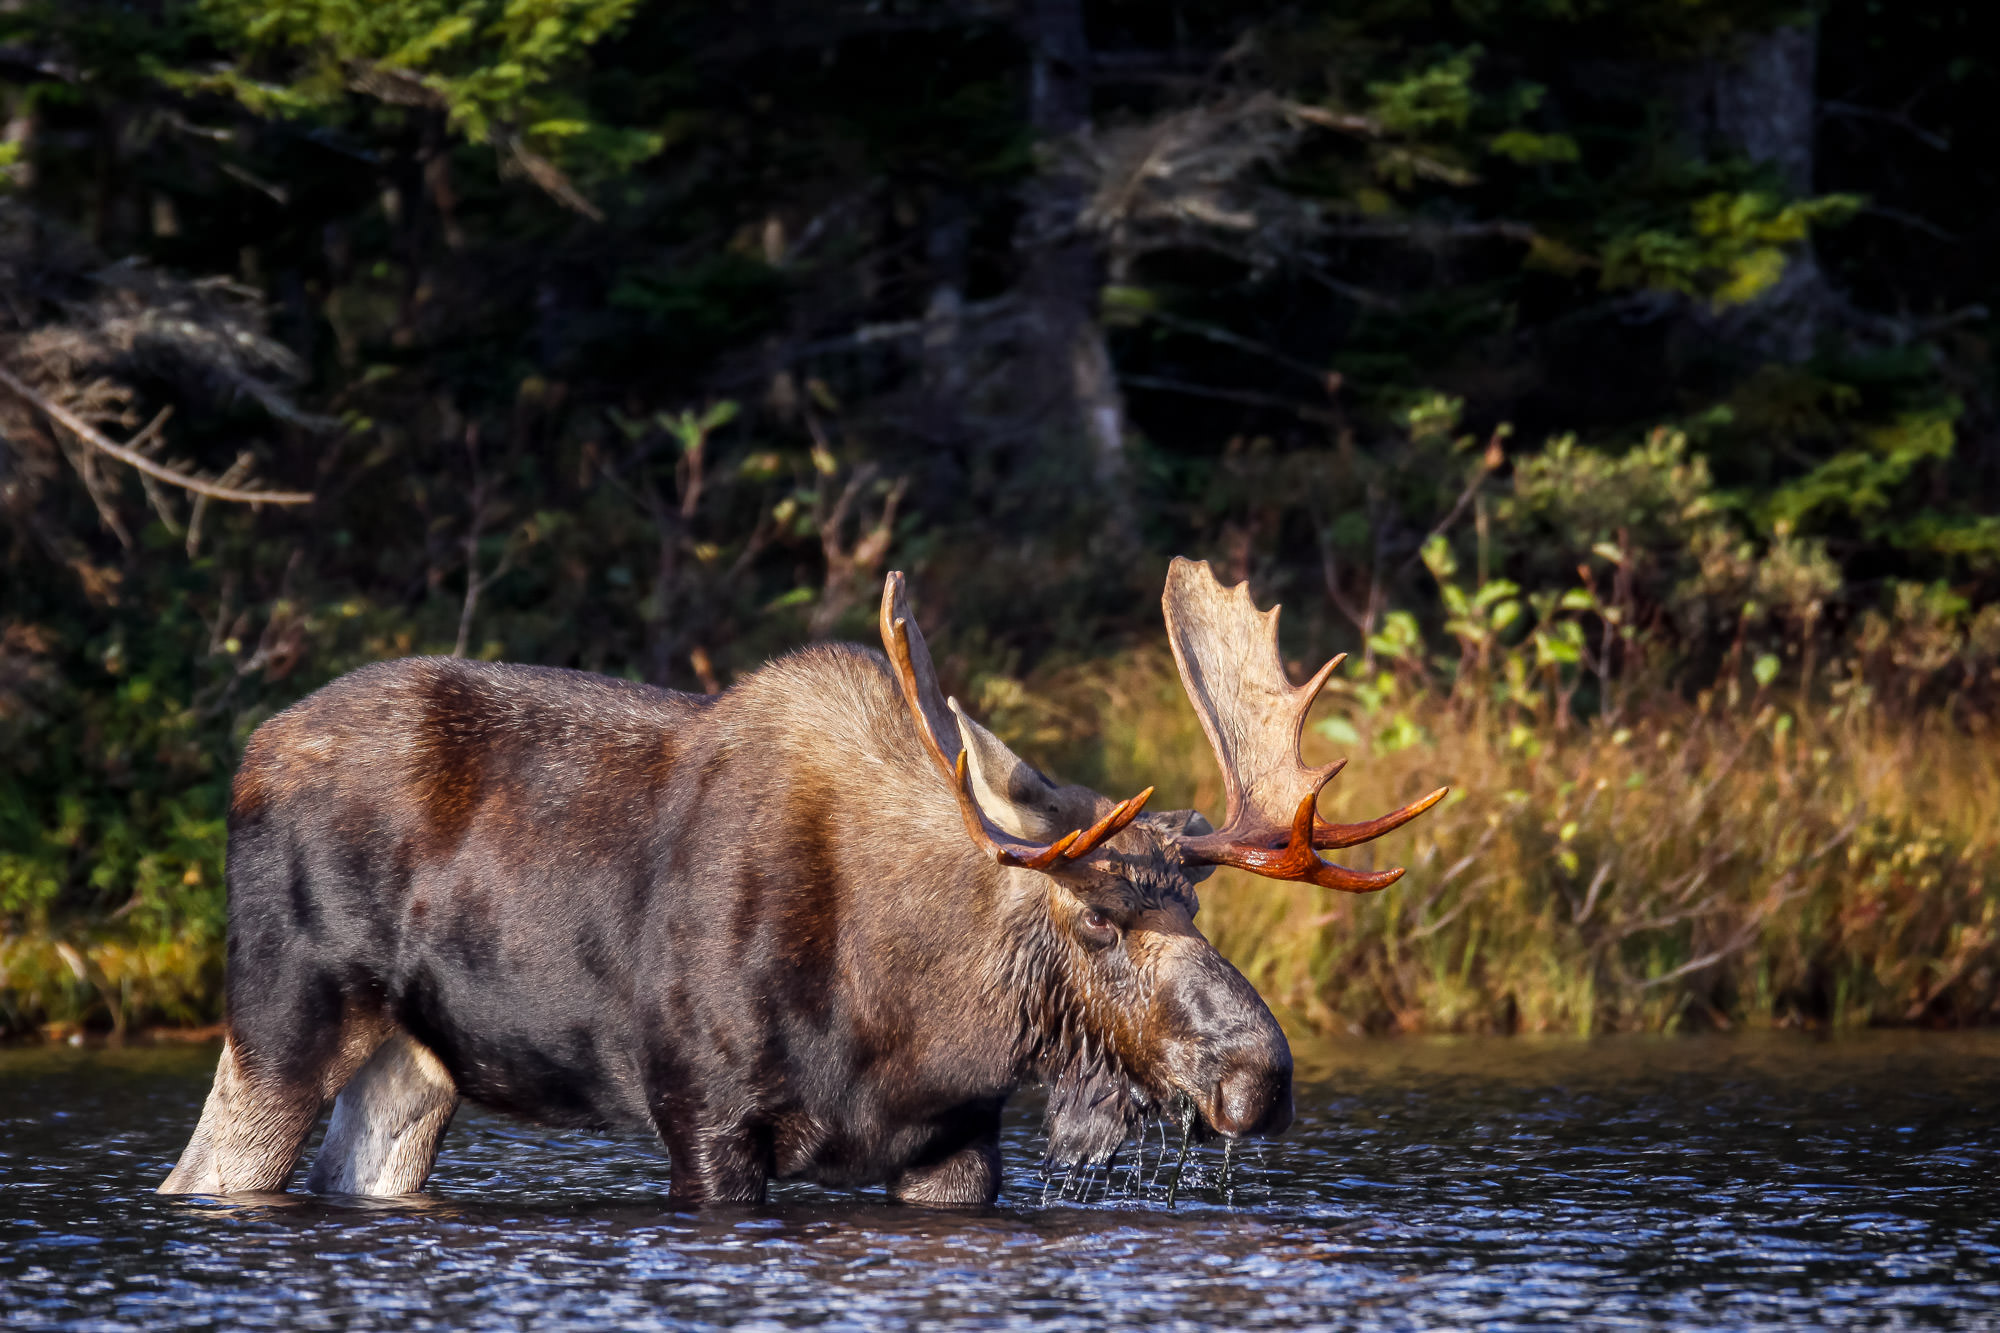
{"x": 60, "y": 981}
{"x": 1702, "y": 864}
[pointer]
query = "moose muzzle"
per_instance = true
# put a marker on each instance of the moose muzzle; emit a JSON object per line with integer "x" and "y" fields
{"x": 1227, "y": 1053}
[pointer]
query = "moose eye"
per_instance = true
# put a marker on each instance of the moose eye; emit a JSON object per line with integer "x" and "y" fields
{"x": 1097, "y": 929}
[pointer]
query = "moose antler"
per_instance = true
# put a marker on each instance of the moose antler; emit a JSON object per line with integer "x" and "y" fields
{"x": 911, "y": 661}
{"x": 1227, "y": 651}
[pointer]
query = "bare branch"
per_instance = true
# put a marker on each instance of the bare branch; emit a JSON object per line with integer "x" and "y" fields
{"x": 1900, "y": 119}
{"x": 484, "y": 507}
{"x": 1247, "y": 397}
{"x": 237, "y": 472}
{"x": 1214, "y": 333}
{"x": 89, "y": 434}
{"x": 1910, "y": 220}
{"x": 85, "y": 464}
{"x": 147, "y": 441}
{"x": 1347, "y": 122}
{"x": 1422, "y": 231}
{"x": 1489, "y": 462}
{"x": 518, "y": 157}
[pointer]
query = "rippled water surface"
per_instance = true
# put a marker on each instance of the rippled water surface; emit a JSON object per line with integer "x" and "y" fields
{"x": 1754, "y": 1182}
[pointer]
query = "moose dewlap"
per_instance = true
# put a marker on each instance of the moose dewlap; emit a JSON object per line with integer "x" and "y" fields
{"x": 819, "y": 926}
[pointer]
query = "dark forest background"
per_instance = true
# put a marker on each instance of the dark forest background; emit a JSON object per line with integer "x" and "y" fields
{"x": 1582, "y": 366}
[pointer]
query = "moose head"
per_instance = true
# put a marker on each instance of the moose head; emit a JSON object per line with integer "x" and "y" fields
{"x": 1129, "y": 1011}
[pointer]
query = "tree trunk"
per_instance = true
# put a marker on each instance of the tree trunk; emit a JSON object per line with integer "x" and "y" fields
{"x": 1756, "y": 100}
{"x": 1071, "y": 386}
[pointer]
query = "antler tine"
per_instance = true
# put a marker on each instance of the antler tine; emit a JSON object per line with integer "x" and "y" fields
{"x": 1295, "y": 860}
{"x": 910, "y": 660}
{"x": 918, "y": 682}
{"x": 1227, "y": 652}
{"x": 1071, "y": 846}
{"x": 1329, "y": 836}
{"x": 1088, "y": 840}
{"x": 1008, "y": 852}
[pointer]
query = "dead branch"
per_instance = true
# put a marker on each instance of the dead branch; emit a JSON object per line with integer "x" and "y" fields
{"x": 236, "y": 472}
{"x": 89, "y": 435}
{"x": 1247, "y": 397}
{"x": 517, "y": 157}
{"x": 1489, "y": 463}
{"x": 485, "y": 507}
{"x": 848, "y": 565}
{"x": 1216, "y": 334}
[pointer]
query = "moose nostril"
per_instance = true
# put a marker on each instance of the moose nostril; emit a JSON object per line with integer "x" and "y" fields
{"x": 1253, "y": 1098}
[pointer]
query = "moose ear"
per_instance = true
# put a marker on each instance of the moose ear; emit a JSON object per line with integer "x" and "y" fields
{"x": 1185, "y": 824}
{"x": 1009, "y": 790}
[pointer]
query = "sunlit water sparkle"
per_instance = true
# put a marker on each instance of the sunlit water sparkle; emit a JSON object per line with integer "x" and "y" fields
{"x": 1770, "y": 1181}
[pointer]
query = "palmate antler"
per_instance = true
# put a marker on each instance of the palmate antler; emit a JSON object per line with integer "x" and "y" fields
{"x": 1227, "y": 651}
{"x": 911, "y": 661}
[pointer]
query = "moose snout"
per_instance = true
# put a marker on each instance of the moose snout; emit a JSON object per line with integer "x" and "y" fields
{"x": 1231, "y": 1058}
{"x": 1254, "y": 1097}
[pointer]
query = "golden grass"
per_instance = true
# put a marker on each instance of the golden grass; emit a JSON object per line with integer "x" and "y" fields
{"x": 59, "y": 982}
{"x": 1700, "y": 865}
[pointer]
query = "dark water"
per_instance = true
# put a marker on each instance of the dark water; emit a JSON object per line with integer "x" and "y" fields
{"x": 1756, "y": 1182}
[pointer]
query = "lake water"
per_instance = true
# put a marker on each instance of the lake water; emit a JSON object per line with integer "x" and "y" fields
{"x": 1766, "y": 1181}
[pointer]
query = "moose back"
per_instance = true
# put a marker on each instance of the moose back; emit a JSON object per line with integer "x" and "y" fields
{"x": 818, "y": 926}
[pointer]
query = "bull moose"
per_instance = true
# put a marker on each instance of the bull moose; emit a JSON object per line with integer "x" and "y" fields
{"x": 820, "y": 925}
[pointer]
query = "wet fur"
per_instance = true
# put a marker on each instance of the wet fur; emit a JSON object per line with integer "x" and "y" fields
{"x": 750, "y": 923}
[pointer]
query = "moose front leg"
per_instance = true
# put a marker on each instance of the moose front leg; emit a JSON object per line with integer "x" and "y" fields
{"x": 716, "y": 1165}
{"x": 966, "y": 1175}
{"x": 969, "y": 1177}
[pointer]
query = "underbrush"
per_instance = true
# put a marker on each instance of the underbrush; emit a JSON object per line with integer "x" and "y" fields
{"x": 103, "y": 978}
{"x": 1699, "y": 864}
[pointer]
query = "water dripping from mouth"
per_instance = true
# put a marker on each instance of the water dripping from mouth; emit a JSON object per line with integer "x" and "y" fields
{"x": 1229, "y": 1172}
{"x": 1187, "y": 1141}
{"x": 1135, "y": 1179}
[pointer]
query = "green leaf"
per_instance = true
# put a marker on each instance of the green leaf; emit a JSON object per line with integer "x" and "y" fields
{"x": 1400, "y": 734}
{"x": 1438, "y": 557}
{"x": 1765, "y": 669}
{"x": 1558, "y": 648}
{"x": 1399, "y": 634}
{"x": 1734, "y": 250}
{"x": 1530, "y": 149}
{"x": 1128, "y": 300}
{"x": 1338, "y": 730}
{"x": 1437, "y": 98}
